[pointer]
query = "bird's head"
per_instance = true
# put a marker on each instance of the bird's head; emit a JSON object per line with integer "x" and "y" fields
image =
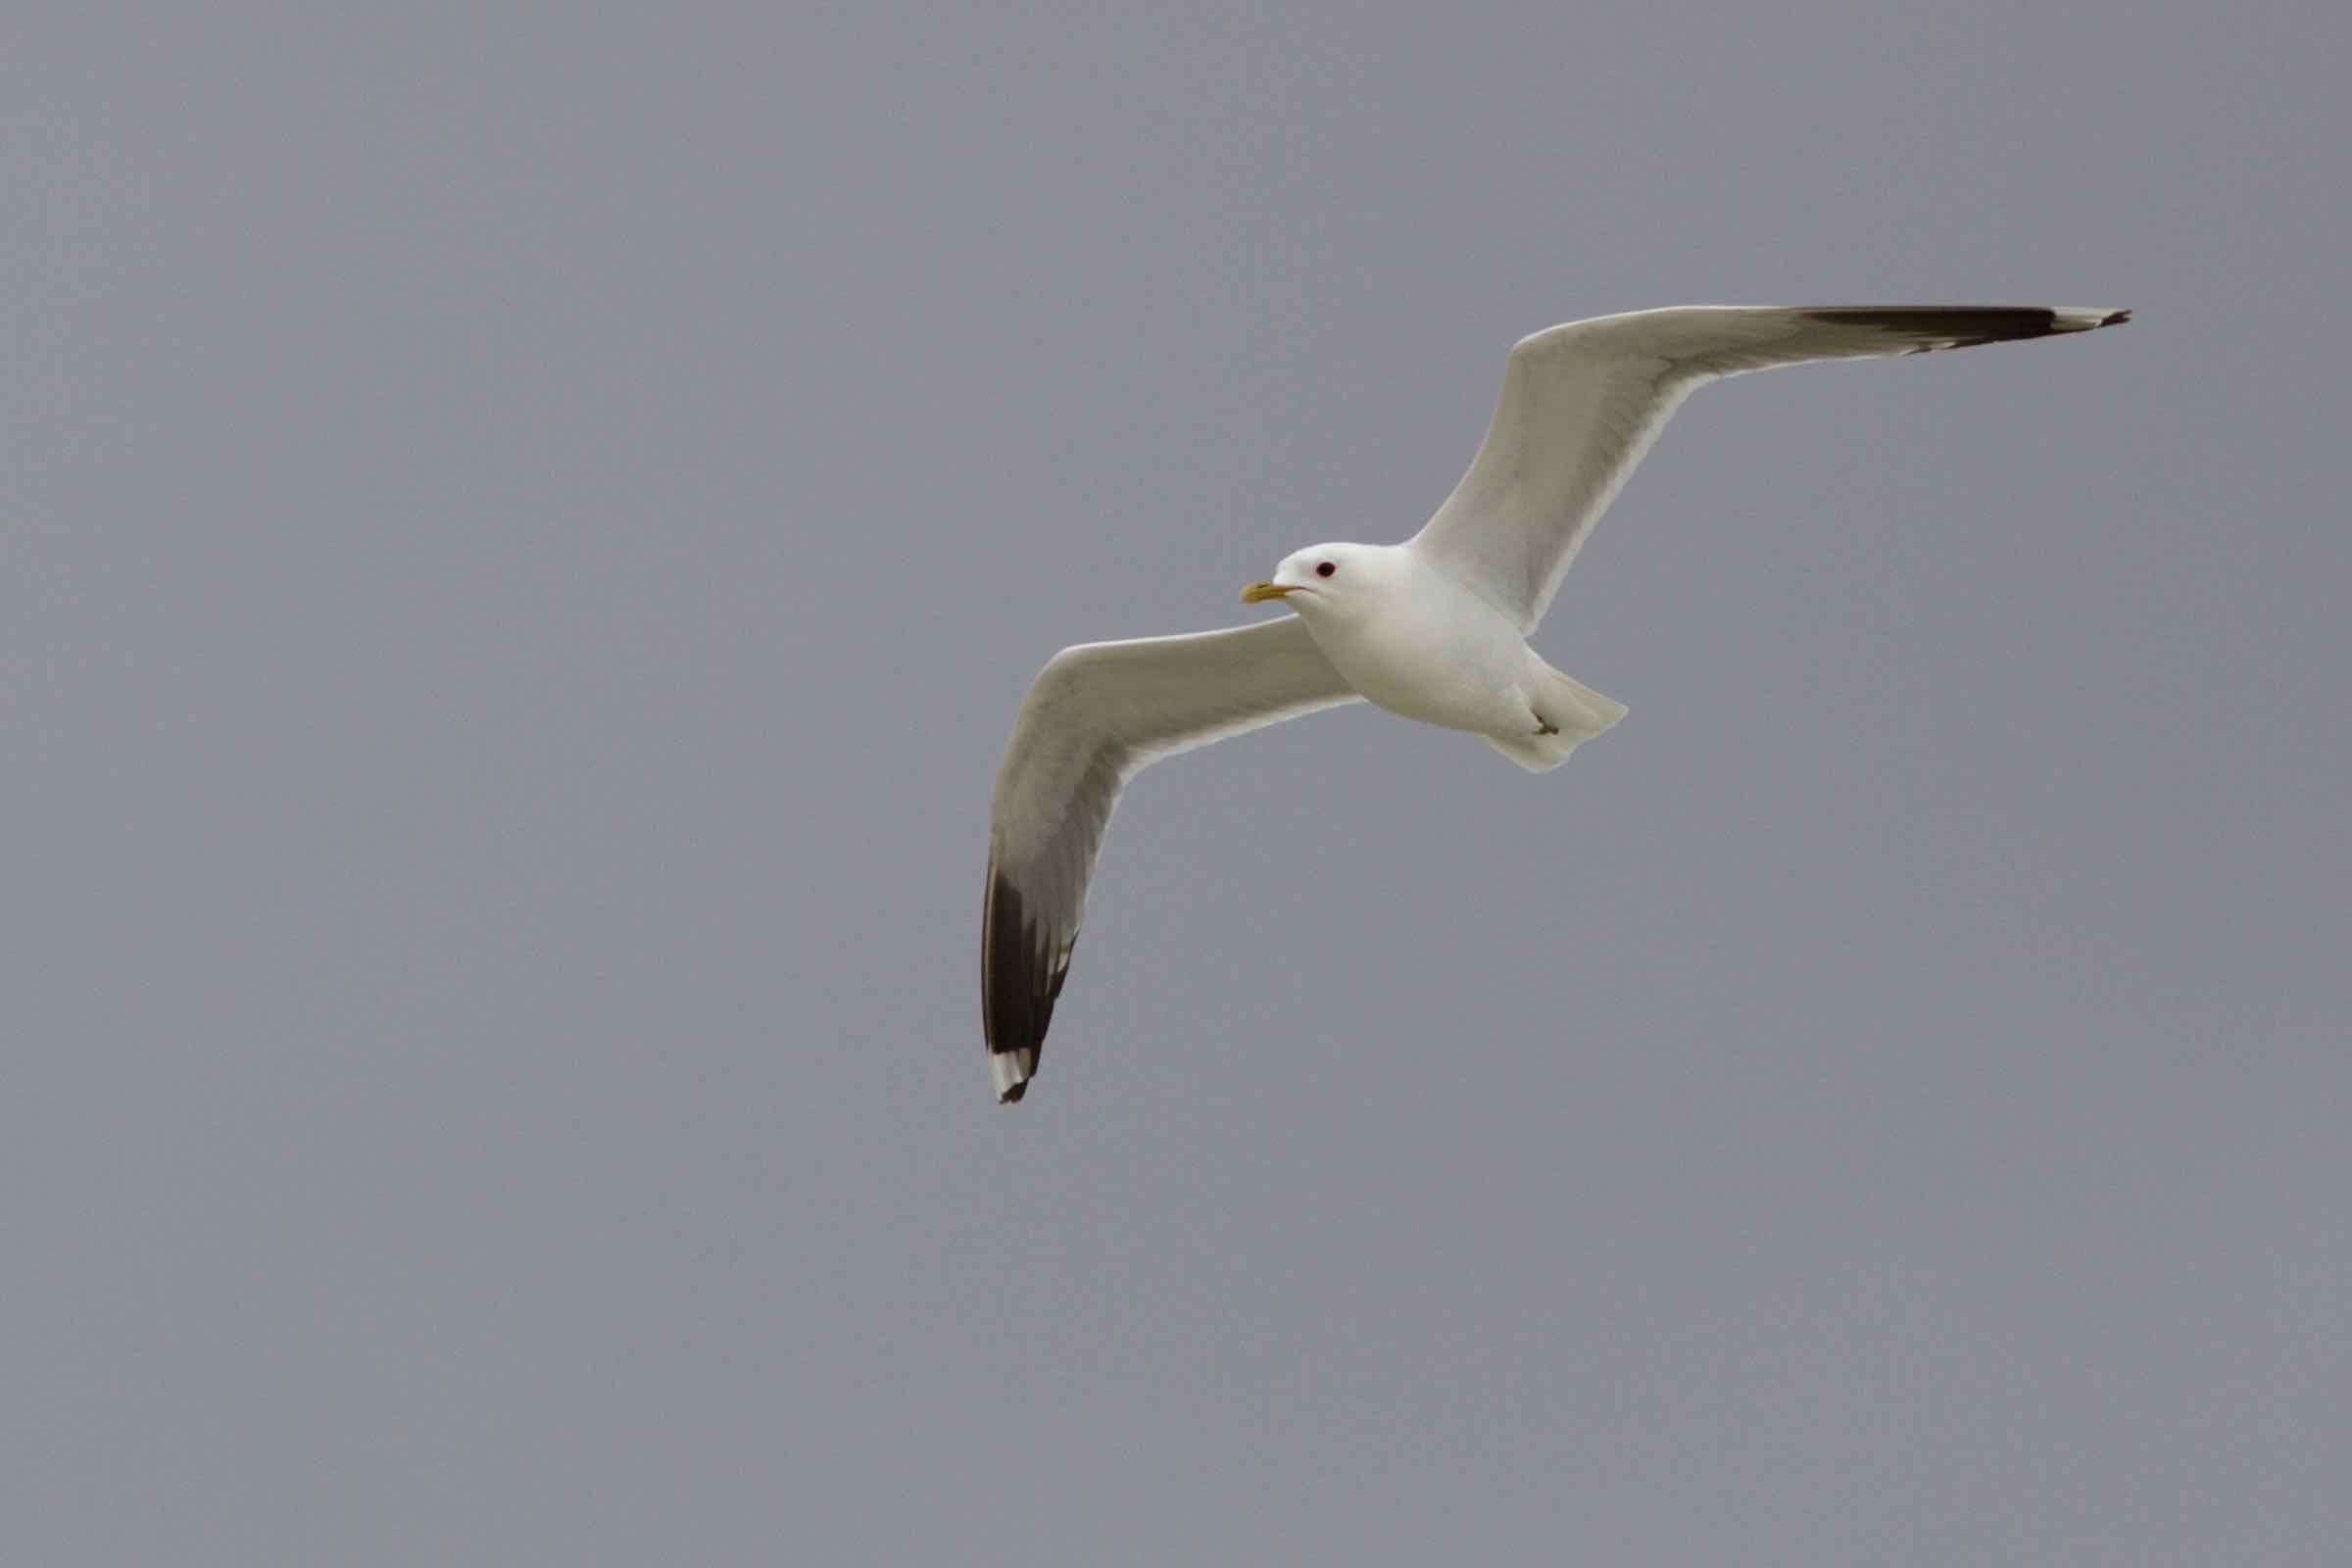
{"x": 1322, "y": 578}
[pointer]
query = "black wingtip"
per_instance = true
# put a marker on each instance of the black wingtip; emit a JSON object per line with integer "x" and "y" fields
{"x": 1020, "y": 980}
{"x": 1930, "y": 327}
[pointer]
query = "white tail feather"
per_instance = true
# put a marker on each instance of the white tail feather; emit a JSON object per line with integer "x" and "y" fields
{"x": 1580, "y": 712}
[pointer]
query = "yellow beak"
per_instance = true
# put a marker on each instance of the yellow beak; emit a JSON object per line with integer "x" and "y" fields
{"x": 1264, "y": 590}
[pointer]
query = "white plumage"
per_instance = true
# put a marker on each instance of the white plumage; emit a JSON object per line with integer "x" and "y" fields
{"x": 1433, "y": 628}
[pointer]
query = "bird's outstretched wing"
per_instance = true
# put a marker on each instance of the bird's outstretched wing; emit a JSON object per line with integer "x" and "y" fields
{"x": 1582, "y": 403}
{"x": 1096, "y": 717}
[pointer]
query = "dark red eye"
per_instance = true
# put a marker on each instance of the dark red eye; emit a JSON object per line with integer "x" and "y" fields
{"x": 1326, "y": 568}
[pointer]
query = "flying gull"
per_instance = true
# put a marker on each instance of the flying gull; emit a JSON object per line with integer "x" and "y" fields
{"x": 1434, "y": 628}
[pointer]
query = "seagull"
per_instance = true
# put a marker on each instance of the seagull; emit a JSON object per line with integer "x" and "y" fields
{"x": 1434, "y": 628}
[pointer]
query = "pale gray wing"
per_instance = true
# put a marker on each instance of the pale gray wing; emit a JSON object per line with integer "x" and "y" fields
{"x": 1582, "y": 403}
{"x": 1096, "y": 715}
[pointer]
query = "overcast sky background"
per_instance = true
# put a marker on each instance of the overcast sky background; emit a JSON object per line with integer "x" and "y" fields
{"x": 526, "y": 529}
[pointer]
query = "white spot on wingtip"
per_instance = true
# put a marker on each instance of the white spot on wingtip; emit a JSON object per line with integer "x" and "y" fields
{"x": 1012, "y": 1068}
{"x": 2085, "y": 320}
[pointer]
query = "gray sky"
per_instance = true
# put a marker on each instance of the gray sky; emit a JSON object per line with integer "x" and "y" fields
{"x": 526, "y": 530}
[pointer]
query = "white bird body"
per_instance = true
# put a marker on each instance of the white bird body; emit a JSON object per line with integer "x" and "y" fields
{"x": 1410, "y": 637}
{"x": 1433, "y": 630}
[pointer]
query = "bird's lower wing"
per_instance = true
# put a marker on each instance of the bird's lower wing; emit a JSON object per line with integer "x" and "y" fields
{"x": 1582, "y": 403}
{"x": 1096, "y": 717}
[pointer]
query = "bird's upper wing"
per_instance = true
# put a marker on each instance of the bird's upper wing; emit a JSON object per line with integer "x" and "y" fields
{"x": 1582, "y": 403}
{"x": 1096, "y": 717}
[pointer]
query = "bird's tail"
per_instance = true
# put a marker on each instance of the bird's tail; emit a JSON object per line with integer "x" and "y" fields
{"x": 1575, "y": 709}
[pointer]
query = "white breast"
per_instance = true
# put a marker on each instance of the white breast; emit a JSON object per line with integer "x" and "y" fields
{"x": 1421, "y": 645}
